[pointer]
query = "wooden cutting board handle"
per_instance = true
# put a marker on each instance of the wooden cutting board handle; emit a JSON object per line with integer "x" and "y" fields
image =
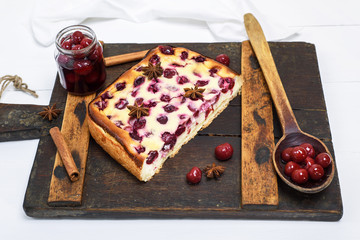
{"x": 63, "y": 192}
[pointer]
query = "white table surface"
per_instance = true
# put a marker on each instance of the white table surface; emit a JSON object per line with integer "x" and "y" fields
{"x": 334, "y": 28}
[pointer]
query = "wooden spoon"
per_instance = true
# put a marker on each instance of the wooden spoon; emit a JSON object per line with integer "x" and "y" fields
{"x": 292, "y": 134}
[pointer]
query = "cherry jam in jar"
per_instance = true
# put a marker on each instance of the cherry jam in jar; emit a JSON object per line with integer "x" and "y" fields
{"x": 80, "y": 61}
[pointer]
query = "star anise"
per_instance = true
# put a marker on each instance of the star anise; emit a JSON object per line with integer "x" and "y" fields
{"x": 153, "y": 71}
{"x": 50, "y": 112}
{"x": 214, "y": 171}
{"x": 194, "y": 93}
{"x": 138, "y": 111}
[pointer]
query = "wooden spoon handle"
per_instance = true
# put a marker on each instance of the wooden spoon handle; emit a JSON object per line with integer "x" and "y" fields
{"x": 266, "y": 61}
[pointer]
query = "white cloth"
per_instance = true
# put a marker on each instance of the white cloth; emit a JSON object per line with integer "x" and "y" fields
{"x": 223, "y": 18}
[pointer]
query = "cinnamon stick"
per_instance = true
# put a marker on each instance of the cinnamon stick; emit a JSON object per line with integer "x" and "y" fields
{"x": 123, "y": 58}
{"x": 65, "y": 154}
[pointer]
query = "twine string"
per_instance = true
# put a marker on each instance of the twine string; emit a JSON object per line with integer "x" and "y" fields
{"x": 17, "y": 82}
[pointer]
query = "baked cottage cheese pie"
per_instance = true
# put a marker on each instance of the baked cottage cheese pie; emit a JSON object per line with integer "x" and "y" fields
{"x": 158, "y": 105}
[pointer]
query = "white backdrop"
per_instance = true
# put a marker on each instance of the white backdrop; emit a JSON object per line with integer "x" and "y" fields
{"x": 334, "y": 28}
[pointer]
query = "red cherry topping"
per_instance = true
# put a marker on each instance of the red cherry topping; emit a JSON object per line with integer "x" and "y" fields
{"x": 194, "y": 175}
{"x": 316, "y": 171}
{"x": 120, "y": 86}
{"x": 224, "y": 151}
{"x": 184, "y": 55}
{"x": 152, "y": 156}
{"x": 181, "y": 128}
{"x": 182, "y": 79}
{"x": 323, "y": 159}
{"x": 162, "y": 119}
{"x": 121, "y": 104}
{"x": 165, "y": 98}
{"x": 300, "y": 176}
{"x": 290, "y": 167}
{"x": 167, "y": 50}
{"x": 202, "y": 83}
{"x": 169, "y": 73}
{"x": 170, "y": 108}
{"x": 298, "y": 154}
{"x": 139, "y": 123}
{"x": 309, "y": 149}
{"x": 153, "y": 88}
{"x": 286, "y": 154}
{"x": 223, "y": 58}
{"x": 155, "y": 59}
{"x": 138, "y": 81}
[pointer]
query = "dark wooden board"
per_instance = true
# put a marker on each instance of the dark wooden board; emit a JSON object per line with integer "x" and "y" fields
{"x": 111, "y": 192}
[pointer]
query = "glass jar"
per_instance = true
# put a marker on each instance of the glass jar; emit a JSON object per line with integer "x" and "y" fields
{"x": 80, "y": 61}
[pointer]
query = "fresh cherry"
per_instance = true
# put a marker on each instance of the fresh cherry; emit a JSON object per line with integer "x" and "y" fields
{"x": 300, "y": 176}
{"x": 286, "y": 154}
{"x": 309, "y": 162}
{"x": 323, "y": 159}
{"x": 224, "y": 151}
{"x": 316, "y": 172}
{"x": 194, "y": 175}
{"x": 290, "y": 167}
{"x": 298, "y": 154}
{"x": 309, "y": 149}
{"x": 223, "y": 58}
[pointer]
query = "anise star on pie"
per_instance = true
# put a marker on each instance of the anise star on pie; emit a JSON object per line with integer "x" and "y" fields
{"x": 194, "y": 93}
{"x": 214, "y": 171}
{"x": 138, "y": 111}
{"x": 50, "y": 112}
{"x": 152, "y": 71}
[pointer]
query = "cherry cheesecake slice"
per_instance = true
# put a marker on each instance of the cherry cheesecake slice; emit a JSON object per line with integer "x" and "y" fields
{"x": 154, "y": 108}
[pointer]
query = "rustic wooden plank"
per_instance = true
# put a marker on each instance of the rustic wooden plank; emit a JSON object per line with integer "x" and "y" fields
{"x": 258, "y": 178}
{"x": 22, "y": 122}
{"x": 63, "y": 192}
